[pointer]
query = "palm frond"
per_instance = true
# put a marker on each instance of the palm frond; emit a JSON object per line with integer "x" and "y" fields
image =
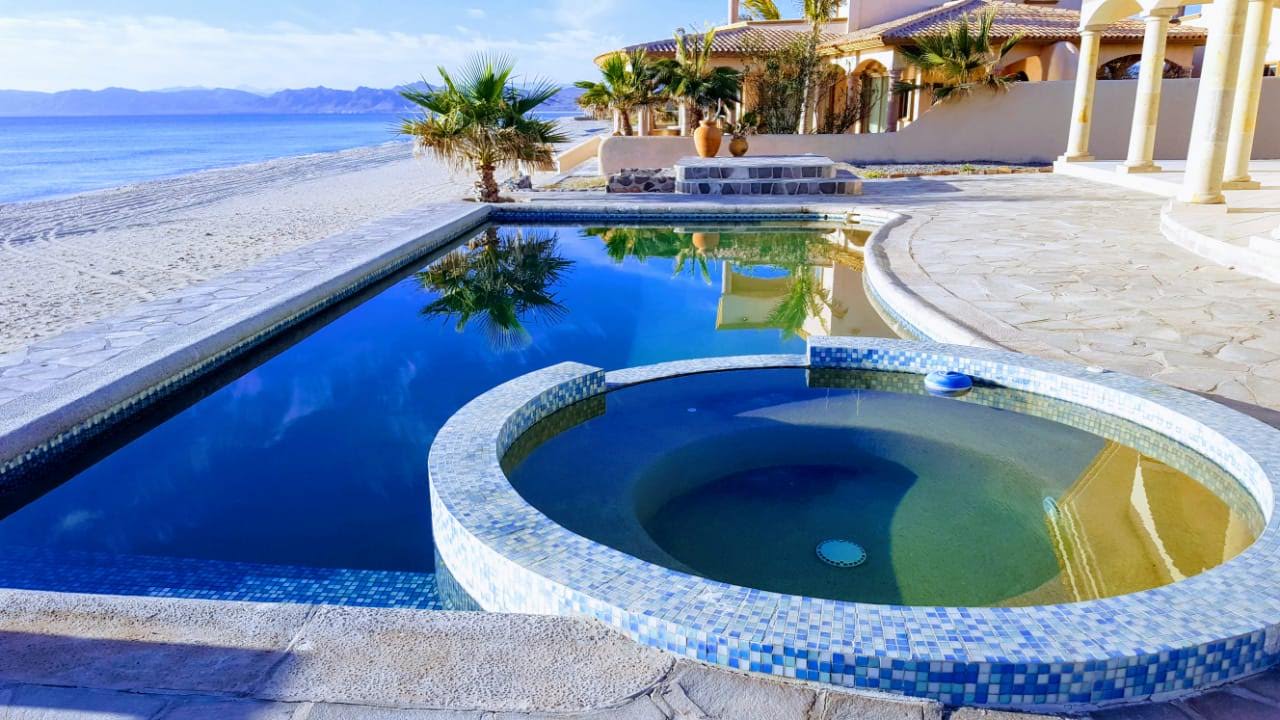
{"x": 762, "y": 9}
{"x": 959, "y": 59}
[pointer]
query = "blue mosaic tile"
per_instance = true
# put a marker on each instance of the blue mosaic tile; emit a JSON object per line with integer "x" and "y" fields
{"x": 104, "y": 574}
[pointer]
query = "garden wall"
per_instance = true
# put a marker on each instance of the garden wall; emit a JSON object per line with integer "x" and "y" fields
{"x": 1027, "y": 124}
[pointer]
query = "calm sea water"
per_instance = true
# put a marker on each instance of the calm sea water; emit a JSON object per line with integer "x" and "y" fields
{"x": 48, "y": 157}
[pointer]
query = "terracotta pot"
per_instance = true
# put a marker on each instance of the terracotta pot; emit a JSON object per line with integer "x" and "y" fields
{"x": 705, "y": 241}
{"x": 707, "y": 139}
{"x": 738, "y": 146}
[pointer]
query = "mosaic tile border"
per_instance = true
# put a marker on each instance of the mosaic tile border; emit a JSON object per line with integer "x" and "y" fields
{"x": 1208, "y": 630}
{"x": 201, "y": 579}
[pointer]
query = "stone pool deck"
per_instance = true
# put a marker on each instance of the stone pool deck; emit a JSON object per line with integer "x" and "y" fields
{"x": 1065, "y": 268}
{"x": 84, "y": 657}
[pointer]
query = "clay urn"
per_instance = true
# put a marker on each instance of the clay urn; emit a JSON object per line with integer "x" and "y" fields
{"x": 738, "y": 146}
{"x": 706, "y": 241}
{"x": 707, "y": 139}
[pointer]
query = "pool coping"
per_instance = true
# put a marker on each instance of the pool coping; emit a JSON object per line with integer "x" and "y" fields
{"x": 1159, "y": 644}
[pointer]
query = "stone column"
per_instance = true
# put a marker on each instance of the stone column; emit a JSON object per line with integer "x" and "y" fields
{"x": 1082, "y": 102}
{"x": 1146, "y": 105}
{"x": 894, "y": 102}
{"x": 642, "y": 121}
{"x": 1207, "y": 153}
{"x": 684, "y": 119}
{"x": 918, "y": 97}
{"x": 1244, "y": 113}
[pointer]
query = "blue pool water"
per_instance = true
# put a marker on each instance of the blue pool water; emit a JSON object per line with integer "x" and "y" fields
{"x": 317, "y": 456}
{"x": 741, "y": 476}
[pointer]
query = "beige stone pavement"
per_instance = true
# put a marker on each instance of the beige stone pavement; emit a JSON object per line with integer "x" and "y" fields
{"x": 1062, "y": 267}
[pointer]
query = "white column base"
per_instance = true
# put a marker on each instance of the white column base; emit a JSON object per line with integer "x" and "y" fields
{"x": 1242, "y": 185}
{"x": 1076, "y": 158}
{"x": 1135, "y": 169}
{"x": 1202, "y": 198}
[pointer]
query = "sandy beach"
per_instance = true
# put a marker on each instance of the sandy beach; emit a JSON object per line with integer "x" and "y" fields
{"x": 69, "y": 261}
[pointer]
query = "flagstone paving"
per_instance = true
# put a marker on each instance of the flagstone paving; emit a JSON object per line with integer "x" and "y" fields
{"x": 1061, "y": 267}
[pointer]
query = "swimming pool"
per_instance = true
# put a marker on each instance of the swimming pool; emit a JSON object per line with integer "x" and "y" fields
{"x": 299, "y": 473}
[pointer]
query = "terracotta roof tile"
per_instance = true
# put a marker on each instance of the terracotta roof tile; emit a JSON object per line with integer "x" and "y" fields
{"x": 1034, "y": 22}
{"x": 739, "y": 40}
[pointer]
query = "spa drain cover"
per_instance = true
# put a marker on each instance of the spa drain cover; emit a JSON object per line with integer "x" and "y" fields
{"x": 841, "y": 553}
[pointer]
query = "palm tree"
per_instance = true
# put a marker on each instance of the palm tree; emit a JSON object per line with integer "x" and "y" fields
{"x": 761, "y": 10}
{"x": 500, "y": 279}
{"x": 640, "y": 243}
{"x": 818, "y": 13}
{"x": 480, "y": 120}
{"x": 959, "y": 59}
{"x": 691, "y": 78}
{"x": 690, "y": 253}
{"x": 628, "y": 82}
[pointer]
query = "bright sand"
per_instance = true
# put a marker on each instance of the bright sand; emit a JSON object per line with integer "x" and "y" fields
{"x": 70, "y": 261}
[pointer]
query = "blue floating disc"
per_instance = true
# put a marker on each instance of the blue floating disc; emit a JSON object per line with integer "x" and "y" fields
{"x": 841, "y": 553}
{"x": 948, "y": 383}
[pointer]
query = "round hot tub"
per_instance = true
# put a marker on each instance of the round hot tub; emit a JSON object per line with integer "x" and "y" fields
{"x": 1055, "y": 538}
{"x": 741, "y": 476}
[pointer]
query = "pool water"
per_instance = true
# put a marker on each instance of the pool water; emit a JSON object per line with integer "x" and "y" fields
{"x": 314, "y": 453}
{"x": 741, "y": 476}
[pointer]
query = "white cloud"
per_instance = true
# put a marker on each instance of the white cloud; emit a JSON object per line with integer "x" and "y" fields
{"x": 580, "y": 15}
{"x": 477, "y": 13}
{"x": 61, "y": 52}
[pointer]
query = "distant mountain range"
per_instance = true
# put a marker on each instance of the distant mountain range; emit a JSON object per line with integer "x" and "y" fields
{"x": 201, "y": 101}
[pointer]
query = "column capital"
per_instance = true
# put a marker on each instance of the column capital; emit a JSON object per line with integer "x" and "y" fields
{"x": 1160, "y": 14}
{"x": 1093, "y": 30}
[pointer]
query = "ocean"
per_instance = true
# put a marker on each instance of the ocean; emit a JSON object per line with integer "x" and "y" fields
{"x": 50, "y": 157}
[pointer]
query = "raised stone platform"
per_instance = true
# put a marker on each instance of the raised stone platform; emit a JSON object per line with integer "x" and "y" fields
{"x": 764, "y": 175}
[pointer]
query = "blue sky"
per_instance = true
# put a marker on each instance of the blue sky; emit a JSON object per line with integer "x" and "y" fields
{"x": 149, "y": 44}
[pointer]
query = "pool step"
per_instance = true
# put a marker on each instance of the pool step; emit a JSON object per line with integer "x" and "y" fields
{"x": 848, "y": 185}
{"x": 764, "y": 175}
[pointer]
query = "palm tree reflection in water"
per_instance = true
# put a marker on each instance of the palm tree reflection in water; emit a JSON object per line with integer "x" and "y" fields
{"x": 502, "y": 280}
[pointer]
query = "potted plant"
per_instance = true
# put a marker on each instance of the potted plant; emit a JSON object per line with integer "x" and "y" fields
{"x": 738, "y": 131}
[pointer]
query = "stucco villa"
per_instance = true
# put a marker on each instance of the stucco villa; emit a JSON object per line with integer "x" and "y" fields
{"x": 865, "y": 46}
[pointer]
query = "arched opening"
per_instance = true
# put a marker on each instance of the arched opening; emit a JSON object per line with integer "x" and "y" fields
{"x": 1127, "y": 67}
{"x": 876, "y": 97}
{"x": 1105, "y": 12}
